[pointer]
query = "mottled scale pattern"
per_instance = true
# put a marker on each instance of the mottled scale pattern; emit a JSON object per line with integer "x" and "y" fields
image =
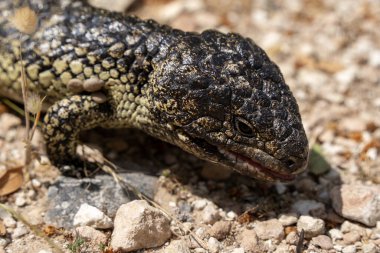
{"x": 217, "y": 96}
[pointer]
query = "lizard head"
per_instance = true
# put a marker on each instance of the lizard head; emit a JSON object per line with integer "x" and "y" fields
{"x": 223, "y": 100}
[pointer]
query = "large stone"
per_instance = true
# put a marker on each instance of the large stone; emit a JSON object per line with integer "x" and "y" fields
{"x": 357, "y": 202}
{"x": 66, "y": 195}
{"x": 138, "y": 225}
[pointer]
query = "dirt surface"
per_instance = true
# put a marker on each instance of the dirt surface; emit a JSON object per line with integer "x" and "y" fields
{"x": 329, "y": 54}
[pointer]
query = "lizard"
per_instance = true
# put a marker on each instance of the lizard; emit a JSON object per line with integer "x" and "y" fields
{"x": 216, "y": 95}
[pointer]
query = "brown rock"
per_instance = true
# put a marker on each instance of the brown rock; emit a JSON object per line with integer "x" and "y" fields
{"x": 220, "y": 229}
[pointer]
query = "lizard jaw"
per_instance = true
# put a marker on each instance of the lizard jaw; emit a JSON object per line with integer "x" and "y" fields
{"x": 248, "y": 166}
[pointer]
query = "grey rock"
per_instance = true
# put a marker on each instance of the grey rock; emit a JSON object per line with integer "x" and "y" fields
{"x": 138, "y": 225}
{"x": 357, "y": 202}
{"x": 67, "y": 194}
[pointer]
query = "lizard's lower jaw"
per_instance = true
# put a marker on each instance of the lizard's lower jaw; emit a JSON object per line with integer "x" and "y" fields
{"x": 247, "y": 166}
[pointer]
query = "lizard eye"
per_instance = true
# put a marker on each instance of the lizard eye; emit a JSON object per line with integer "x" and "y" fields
{"x": 243, "y": 127}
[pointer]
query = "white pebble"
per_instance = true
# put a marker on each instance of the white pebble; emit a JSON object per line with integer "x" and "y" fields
{"x": 88, "y": 215}
{"x": 20, "y": 200}
{"x": 349, "y": 249}
{"x": 36, "y": 183}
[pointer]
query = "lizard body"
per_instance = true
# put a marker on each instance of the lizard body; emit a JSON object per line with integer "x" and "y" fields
{"x": 217, "y": 96}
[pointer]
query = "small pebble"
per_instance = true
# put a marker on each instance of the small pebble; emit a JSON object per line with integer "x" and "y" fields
{"x": 311, "y": 226}
{"x": 288, "y": 219}
{"x": 369, "y": 248}
{"x": 92, "y": 234}
{"x": 213, "y": 244}
{"x": 75, "y": 85}
{"x": 200, "y": 232}
{"x": 292, "y": 238}
{"x": 9, "y": 222}
{"x": 88, "y": 215}
{"x": 93, "y": 84}
{"x": 349, "y": 249}
{"x": 45, "y": 251}
{"x": 210, "y": 214}
{"x": 351, "y": 237}
{"x": 248, "y": 240}
{"x": 238, "y": 250}
{"x": 270, "y": 229}
{"x": 220, "y": 229}
{"x": 36, "y": 183}
{"x": 322, "y": 241}
{"x": 19, "y": 231}
{"x": 335, "y": 234}
{"x": 199, "y": 204}
{"x": 20, "y": 200}
{"x": 232, "y": 215}
{"x": 3, "y": 242}
{"x": 348, "y": 226}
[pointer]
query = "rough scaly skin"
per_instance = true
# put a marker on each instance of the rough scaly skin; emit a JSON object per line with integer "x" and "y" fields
{"x": 217, "y": 96}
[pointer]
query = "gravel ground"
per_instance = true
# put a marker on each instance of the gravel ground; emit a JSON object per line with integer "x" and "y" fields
{"x": 329, "y": 53}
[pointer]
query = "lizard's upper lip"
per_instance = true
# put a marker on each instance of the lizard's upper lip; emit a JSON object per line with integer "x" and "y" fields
{"x": 254, "y": 168}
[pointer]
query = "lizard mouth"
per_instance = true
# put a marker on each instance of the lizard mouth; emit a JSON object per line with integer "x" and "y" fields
{"x": 253, "y": 168}
{"x": 273, "y": 171}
